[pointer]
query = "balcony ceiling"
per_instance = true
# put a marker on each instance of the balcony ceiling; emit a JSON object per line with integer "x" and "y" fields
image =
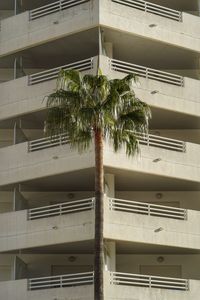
{"x": 143, "y": 51}
{"x": 58, "y": 52}
{"x": 83, "y": 180}
{"x": 23, "y": 4}
{"x": 142, "y": 248}
{"x": 86, "y": 247}
{"x": 183, "y": 5}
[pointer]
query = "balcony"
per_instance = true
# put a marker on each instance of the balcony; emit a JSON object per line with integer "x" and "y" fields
{"x": 149, "y": 20}
{"x": 158, "y": 88}
{"x": 73, "y": 221}
{"x": 134, "y": 221}
{"x": 48, "y": 156}
{"x": 61, "y": 281}
{"x": 125, "y": 285}
{"x": 152, "y": 8}
{"x": 36, "y": 25}
{"x": 45, "y": 22}
{"x": 45, "y": 288}
{"x": 121, "y": 285}
{"x": 66, "y": 222}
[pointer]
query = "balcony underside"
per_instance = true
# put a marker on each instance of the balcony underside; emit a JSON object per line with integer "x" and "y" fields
{"x": 85, "y": 16}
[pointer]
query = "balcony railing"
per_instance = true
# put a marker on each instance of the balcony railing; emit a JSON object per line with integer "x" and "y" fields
{"x": 61, "y": 209}
{"x": 61, "y": 281}
{"x": 53, "y": 7}
{"x": 149, "y": 281}
{"x": 152, "y": 8}
{"x": 48, "y": 142}
{"x": 82, "y": 65}
{"x": 162, "y": 142}
{"x": 149, "y": 73}
{"x": 147, "y": 209}
{"x": 144, "y": 139}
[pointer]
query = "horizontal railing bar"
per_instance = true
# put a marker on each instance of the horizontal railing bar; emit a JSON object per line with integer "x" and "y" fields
{"x": 63, "y": 203}
{"x": 143, "y": 212}
{"x": 54, "y": 4}
{"x": 53, "y": 281}
{"x": 148, "y": 208}
{"x": 35, "y": 81}
{"x": 49, "y": 141}
{"x": 146, "y": 139}
{"x": 39, "y": 147}
{"x": 174, "y": 82}
{"x": 164, "y": 142}
{"x": 147, "y": 72}
{"x": 65, "y": 275}
{"x": 57, "y": 213}
{"x": 59, "y": 209}
{"x": 75, "y": 64}
{"x": 44, "y": 6}
{"x": 145, "y": 203}
{"x": 81, "y": 65}
{"x": 119, "y": 62}
{"x": 53, "y": 7}
{"x": 152, "y": 8}
{"x": 152, "y": 276}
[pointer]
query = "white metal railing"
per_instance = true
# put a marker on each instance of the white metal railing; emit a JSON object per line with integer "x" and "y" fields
{"x": 144, "y": 139}
{"x": 61, "y": 209}
{"x": 53, "y": 7}
{"x": 149, "y": 281}
{"x": 149, "y": 73}
{"x": 82, "y": 65}
{"x": 61, "y": 281}
{"x": 152, "y": 8}
{"x": 161, "y": 142}
{"x": 47, "y": 142}
{"x": 147, "y": 209}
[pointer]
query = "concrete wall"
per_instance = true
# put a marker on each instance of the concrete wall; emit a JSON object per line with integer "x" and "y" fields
{"x": 111, "y": 15}
{"x": 172, "y": 164}
{"x": 18, "y": 98}
{"x": 41, "y": 265}
{"x": 17, "y": 232}
{"x": 18, "y": 165}
{"x": 186, "y": 199}
{"x": 17, "y": 290}
{"x": 124, "y": 226}
{"x": 131, "y": 263}
{"x": 125, "y": 19}
{"x": 141, "y": 293}
{"x": 18, "y": 32}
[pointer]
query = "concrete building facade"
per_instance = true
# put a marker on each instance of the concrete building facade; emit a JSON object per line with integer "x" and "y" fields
{"x": 152, "y": 201}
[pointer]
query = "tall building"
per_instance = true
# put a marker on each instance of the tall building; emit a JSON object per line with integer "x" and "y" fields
{"x": 152, "y": 203}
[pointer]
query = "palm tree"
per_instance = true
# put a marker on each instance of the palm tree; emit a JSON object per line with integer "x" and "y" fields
{"x": 95, "y": 109}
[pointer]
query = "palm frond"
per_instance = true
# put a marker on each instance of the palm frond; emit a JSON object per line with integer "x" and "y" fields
{"x": 82, "y": 104}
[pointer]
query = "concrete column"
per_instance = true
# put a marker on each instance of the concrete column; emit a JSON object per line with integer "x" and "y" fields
{"x": 110, "y": 256}
{"x": 110, "y": 185}
{"x": 108, "y": 48}
{"x": 19, "y": 202}
{"x": 20, "y": 269}
{"x": 198, "y": 7}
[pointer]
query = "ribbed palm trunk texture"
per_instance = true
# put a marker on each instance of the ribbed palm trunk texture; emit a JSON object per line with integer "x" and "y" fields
{"x": 99, "y": 197}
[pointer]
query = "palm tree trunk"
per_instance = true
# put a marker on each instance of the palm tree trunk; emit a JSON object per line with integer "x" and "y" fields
{"x": 99, "y": 197}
